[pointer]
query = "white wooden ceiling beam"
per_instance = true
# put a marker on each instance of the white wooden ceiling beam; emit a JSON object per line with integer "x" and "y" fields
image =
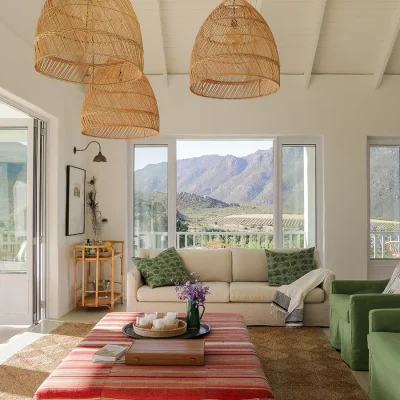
{"x": 387, "y": 48}
{"x": 256, "y": 4}
{"x": 314, "y": 42}
{"x": 161, "y": 36}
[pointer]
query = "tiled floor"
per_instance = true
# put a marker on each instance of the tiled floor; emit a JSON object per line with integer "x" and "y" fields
{"x": 7, "y": 332}
{"x": 91, "y": 314}
{"x": 24, "y": 338}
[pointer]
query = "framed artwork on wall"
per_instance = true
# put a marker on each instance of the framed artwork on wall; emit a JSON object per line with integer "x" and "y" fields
{"x": 76, "y": 201}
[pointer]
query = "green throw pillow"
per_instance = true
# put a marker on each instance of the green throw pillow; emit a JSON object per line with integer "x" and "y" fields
{"x": 285, "y": 268}
{"x": 162, "y": 270}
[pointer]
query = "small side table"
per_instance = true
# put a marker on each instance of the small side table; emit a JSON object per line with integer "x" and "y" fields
{"x": 98, "y": 296}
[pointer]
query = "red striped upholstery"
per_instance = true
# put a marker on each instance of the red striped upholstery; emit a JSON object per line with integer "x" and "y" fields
{"x": 232, "y": 371}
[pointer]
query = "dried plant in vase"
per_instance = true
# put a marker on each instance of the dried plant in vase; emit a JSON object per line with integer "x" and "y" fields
{"x": 96, "y": 216}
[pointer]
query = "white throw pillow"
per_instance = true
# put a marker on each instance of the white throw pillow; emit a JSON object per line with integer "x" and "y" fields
{"x": 394, "y": 283}
{"x": 395, "y": 287}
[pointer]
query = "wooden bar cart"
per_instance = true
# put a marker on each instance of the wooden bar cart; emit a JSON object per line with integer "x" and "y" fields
{"x": 102, "y": 256}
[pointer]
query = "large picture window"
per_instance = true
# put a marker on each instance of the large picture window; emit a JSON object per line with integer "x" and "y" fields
{"x": 225, "y": 193}
{"x": 192, "y": 194}
{"x": 384, "y": 199}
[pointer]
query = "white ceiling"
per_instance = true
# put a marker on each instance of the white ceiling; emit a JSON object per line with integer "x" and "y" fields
{"x": 323, "y": 36}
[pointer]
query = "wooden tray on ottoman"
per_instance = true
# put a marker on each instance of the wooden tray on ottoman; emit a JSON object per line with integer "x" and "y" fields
{"x": 165, "y": 352}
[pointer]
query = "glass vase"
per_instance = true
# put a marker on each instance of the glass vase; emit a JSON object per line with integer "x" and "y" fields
{"x": 193, "y": 316}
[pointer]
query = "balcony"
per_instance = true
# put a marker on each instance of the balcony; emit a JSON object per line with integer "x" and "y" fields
{"x": 12, "y": 253}
{"x": 198, "y": 240}
{"x": 383, "y": 244}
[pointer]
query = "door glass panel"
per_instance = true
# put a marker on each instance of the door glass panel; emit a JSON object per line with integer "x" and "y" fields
{"x": 13, "y": 200}
{"x": 150, "y": 197}
{"x": 384, "y": 202}
{"x": 225, "y": 194}
{"x": 298, "y": 196}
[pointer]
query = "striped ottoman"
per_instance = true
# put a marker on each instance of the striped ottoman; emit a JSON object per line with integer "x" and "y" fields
{"x": 232, "y": 370}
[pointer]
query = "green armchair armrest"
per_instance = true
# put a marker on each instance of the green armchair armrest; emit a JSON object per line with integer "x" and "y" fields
{"x": 384, "y": 320}
{"x": 358, "y": 287}
{"x": 362, "y": 304}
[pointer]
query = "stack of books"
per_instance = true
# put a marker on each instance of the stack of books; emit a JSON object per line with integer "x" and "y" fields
{"x": 110, "y": 353}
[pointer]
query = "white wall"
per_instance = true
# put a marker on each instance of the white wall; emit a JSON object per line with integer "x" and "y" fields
{"x": 60, "y": 103}
{"x": 345, "y": 110}
{"x": 7, "y": 111}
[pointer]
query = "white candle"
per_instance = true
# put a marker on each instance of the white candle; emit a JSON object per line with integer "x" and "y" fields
{"x": 172, "y": 314}
{"x": 159, "y": 323}
{"x": 169, "y": 320}
{"x": 143, "y": 321}
{"x": 151, "y": 317}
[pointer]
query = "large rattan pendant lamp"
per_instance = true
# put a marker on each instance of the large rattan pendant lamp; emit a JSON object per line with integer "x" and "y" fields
{"x": 89, "y": 41}
{"x": 121, "y": 111}
{"x": 235, "y": 55}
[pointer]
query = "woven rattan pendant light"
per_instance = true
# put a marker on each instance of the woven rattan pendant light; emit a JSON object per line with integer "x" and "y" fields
{"x": 121, "y": 111}
{"x": 235, "y": 55}
{"x": 89, "y": 41}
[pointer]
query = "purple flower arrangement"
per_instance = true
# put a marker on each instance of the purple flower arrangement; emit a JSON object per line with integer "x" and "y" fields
{"x": 193, "y": 289}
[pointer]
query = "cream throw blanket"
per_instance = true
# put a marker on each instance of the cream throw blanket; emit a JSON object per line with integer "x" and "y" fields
{"x": 289, "y": 299}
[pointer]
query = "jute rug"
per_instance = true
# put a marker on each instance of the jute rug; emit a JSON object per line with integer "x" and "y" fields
{"x": 299, "y": 364}
{"x": 23, "y": 373}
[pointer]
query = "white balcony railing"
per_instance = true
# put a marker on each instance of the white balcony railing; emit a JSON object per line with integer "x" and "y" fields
{"x": 10, "y": 245}
{"x": 379, "y": 241}
{"x": 196, "y": 240}
{"x": 256, "y": 240}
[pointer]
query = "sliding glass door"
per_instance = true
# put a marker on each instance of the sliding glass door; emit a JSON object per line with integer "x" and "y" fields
{"x": 384, "y": 200}
{"x": 21, "y": 220}
{"x": 299, "y": 211}
{"x": 259, "y": 193}
{"x": 150, "y": 197}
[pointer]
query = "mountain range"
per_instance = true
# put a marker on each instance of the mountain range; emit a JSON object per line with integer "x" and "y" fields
{"x": 230, "y": 179}
{"x": 218, "y": 181}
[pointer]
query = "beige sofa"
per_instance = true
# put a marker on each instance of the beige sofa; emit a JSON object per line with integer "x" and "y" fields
{"x": 238, "y": 281}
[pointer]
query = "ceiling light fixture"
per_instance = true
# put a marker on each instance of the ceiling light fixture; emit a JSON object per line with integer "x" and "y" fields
{"x": 121, "y": 111}
{"x": 89, "y": 41}
{"x": 235, "y": 55}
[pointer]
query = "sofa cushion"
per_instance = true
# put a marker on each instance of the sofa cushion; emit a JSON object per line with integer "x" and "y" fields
{"x": 212, "y": 265}
{"x": 165, "y": 269}
{"x": 385, "y": 346}
{"x": 219, "y": 293}
{"x": 261, "y": 292}
{"x": 341, "y": 304}
{"x": 249, "y": 265}
{"x": 286, "y": 268}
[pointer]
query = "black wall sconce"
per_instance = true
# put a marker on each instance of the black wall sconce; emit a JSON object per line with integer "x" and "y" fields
{"x": 98, "y": 158}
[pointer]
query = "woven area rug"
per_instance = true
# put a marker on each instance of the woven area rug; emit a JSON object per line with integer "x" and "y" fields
{"x": 300, "y": 364}
{"x": 23, "y": 373}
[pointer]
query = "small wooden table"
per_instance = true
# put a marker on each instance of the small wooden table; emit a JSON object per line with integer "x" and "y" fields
{"x": 232, "y": 369}
{"x": 99, "y": 296}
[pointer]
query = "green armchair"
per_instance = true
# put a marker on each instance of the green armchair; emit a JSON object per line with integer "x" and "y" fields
{"x": 384, "y": 350}
{"x": 350, "y": 304}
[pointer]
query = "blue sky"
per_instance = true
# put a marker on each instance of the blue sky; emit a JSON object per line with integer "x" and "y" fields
{"x": 198, "y": 148}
